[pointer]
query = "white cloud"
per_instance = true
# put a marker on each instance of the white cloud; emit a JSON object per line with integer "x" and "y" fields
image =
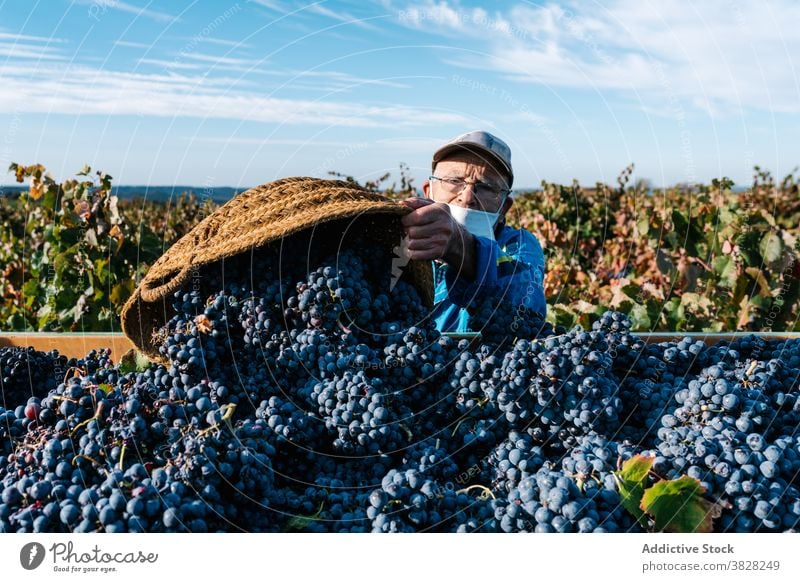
{"x": 335, "y": 80}
{"x": 272, "y": 5}
{"x": 450, "y": 19}
{"x": 222, "y": 61}
{"x": 719, "y": 56}
{"x": 25, "y": 46}
{"x": 28, "y": 51}
{"x": 193, "y": 61}
{"x": 319, "y": 8}
{"x": 131, "y": 44}
{"x": 431, "y": 12}
{"x": 220, "y": 42}
{"x": 292, "y": 79}
{"x": 81, "y": 90}
{"x": 28, "y": 38}
{"x": 172, "y": 64}
{"x": 342, "y": 16}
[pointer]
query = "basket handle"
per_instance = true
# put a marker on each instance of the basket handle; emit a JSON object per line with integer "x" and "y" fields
{"x": 151, "y": 293}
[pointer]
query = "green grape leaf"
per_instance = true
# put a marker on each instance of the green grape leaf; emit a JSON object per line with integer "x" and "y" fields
{"x": 32, "y": 289}
{"x": 740, "y": 290}
{"x": 771, "y": 248}
{"x": 133, "y": 361}
{"x": 631, "y": 479}
{"x": 678, "y": 506}
{"x": 101, "y": 270}
{"x": 675, "y": 313}
{"x": 561, "y": 314}
{"x": 725, "y": 268}
{"x": 121, "y": 291}
{"x": 640, "y": 317}
{"x": 688, "y": 231}
{"x": 715, "y": 326}
{"x": 300, "y": 522}
{"x": 643, "y": 225}
{"x": 63, "y": 261}
{"x": 663, "y": 261}
{"x": 759, "y": 277}
{"x": 747, "y": 242}
{"x": 761, "y": 302}
{"x": 50, "y": 198}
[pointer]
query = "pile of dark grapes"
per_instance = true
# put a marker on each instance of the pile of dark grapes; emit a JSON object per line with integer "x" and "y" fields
{"x": 308, "y": 393}
{"x": 25, "y": 372}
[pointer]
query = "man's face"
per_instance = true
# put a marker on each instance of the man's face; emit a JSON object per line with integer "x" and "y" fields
{"x": 484, "y": 187}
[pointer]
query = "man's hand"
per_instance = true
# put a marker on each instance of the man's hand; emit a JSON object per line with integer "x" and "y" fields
{"x": 429, "y": 229}
{"x": 433, "y": 234}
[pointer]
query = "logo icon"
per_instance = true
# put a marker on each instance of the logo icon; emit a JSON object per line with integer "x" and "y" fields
{"x": 31, "y": 555}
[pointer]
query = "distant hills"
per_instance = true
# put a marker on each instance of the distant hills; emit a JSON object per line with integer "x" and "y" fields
{"x": 153, "y": 193}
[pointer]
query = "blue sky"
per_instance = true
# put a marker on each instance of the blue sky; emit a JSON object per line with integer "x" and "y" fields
{"x": 240, "y": 93}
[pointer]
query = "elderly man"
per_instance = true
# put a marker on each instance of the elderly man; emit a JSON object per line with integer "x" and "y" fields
{"x": 460, "y": 224}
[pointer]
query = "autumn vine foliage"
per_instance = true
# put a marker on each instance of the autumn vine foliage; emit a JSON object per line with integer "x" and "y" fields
{"x": 72, "y": 252}
{"x": 699, "y": 258}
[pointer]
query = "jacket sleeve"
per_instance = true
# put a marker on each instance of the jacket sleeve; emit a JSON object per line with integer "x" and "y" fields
{"x": 510, "y": 271}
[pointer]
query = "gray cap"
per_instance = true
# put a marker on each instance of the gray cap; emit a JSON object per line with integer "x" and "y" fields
{"x": 481, "y": 142}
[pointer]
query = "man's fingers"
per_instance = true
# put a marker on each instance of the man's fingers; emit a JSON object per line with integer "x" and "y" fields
{"x": 427, "y": 243}
{"x": 418, "y": 218}
{"x": 416, "y": 202}
{"x": 427, "y": 230}
{"x": 426, "y": 214}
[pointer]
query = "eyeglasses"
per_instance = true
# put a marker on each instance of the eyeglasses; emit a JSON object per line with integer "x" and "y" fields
{"x": 485, "y": 192}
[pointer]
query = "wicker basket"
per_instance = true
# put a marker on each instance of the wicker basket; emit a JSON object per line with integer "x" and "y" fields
{"x": 260, "y": 216}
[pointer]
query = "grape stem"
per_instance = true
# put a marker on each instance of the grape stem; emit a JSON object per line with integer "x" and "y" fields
{"x": 226, "y": 418}
{"x": 487, "y": 493}
{"x": 77, "y": 372}
{"x": 84, "y": 423}
{"x": 88, "y": 458}
{"x": 65, "y": 398}
{"x": 409, "y": 434}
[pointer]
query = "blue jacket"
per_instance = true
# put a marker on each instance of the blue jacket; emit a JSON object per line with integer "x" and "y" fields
{"x": 510, "y": 269}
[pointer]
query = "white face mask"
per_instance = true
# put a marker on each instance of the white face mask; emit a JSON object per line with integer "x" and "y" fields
{"x": 477, "y": 222}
